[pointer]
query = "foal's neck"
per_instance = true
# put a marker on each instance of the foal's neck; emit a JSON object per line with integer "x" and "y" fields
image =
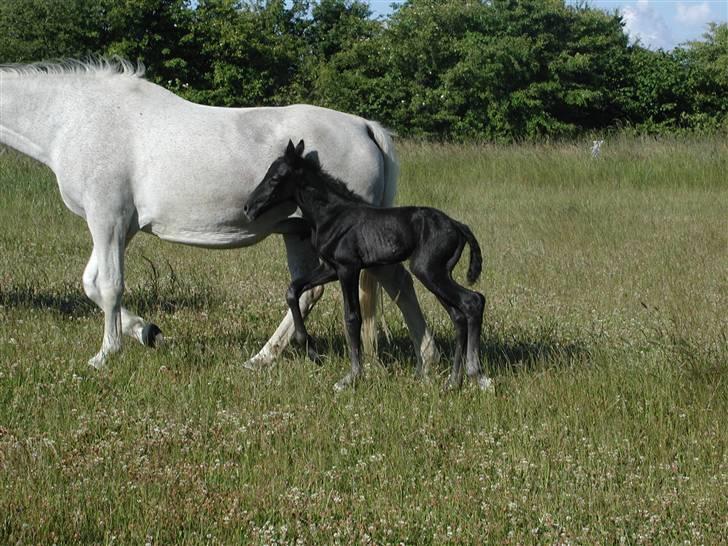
{"x": 319, "y": 194}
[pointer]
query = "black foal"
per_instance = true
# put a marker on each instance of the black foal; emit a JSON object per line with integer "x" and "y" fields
{"x": 351, "y": 235}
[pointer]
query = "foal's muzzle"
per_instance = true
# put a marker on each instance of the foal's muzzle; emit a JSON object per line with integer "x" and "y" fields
{"x": 249, "y": 212}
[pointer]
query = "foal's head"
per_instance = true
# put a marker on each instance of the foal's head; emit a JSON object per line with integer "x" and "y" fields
{"x": 279, "y": 183}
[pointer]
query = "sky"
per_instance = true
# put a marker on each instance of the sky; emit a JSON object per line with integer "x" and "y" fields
{"x": 656, "y": 23}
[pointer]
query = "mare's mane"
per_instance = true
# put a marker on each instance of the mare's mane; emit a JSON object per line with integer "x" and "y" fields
{"x": 96, "y": 67}
{"x": 334, "y": 185}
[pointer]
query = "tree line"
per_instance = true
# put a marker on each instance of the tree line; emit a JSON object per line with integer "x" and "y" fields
{"x": 497, "y": 70}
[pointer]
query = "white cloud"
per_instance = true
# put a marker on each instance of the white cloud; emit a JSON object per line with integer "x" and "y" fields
{"x": 643, "y": 23}
{"x": 693, "y": 14}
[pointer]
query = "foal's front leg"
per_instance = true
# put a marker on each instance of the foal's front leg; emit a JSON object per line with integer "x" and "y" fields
{"x": 349, "y": 279}
{"x": 321, "y": 275}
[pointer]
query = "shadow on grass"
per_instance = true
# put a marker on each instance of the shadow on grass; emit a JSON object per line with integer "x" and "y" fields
{"x": 70, "y": 301}
{"x": 524, "y": 355}
{"x": 521, "y": 353}
{"x": 516, "y": 355}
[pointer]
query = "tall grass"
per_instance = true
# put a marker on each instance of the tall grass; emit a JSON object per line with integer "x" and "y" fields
{"x": 606, "y": 332}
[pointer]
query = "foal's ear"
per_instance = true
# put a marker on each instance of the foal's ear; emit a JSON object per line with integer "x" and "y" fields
{"x": 290, "y": 150}
{"x": 299, "y": 148}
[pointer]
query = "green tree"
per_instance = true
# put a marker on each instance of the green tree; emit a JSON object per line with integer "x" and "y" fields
{"x": 339, "y": 68}
{"x": 707, "y": 67}
{"x": 659, "y": 96}
{"x": 36, "y": 30}
{"x": 251, "y": 51}
{"x": 460, "y": 69}
{"x": 155, "y": 32}
{"x": 493, "y": 70}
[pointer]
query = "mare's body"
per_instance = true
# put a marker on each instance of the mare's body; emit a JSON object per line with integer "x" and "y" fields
{"x": 350, "y": 236}
{"x": 130, "y": 156}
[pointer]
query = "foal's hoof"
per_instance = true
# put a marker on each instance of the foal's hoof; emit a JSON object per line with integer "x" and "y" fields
{"x": 152, "y": 335}
{"x": 313, "y": 355}
{"x": 309, "y": 346}
{"x": 452, "y": 386}
{"x": 346, "y": 382}
{"x": 311, "y": 351}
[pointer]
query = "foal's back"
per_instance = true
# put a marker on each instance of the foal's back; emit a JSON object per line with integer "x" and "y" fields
{"x": 383, "y": 236}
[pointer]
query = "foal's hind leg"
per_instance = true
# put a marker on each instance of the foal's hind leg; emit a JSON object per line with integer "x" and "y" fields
{"x": 461, "y": 338}
{"x": 475, "y": 304}
{"x": 434, "y": 273}
{"x": 349, "y": 279}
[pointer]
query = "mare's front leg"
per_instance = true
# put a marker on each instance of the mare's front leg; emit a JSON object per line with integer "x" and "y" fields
{"x": 319, "y": 276}
{"x": 349, "y": 279}
{"x": 302, "y": 259}
{"x": 103, "y": 278}
{"x": 146, "y": 333}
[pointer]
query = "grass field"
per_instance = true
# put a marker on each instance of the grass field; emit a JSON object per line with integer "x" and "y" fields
{"x": 606, "y": 332}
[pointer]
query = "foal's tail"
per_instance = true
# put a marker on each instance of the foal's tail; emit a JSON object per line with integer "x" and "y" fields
{"x": 476, "y": 257}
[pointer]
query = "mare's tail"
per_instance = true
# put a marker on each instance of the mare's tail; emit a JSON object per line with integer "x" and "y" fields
{"x": 368, "y": 286}
{"x": 476, "y": 257}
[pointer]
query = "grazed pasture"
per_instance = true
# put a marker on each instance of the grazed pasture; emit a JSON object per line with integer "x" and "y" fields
{"x": 606, "y": 331}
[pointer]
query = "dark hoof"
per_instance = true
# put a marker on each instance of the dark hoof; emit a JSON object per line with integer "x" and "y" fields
{"x": 451, "y": 387}
{"x": 152, "y": 335}
{"x": 313, "y": 355}
{"x": 310, "y": 347}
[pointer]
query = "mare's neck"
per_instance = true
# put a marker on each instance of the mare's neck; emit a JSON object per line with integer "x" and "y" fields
{"x": 35, "y": 109}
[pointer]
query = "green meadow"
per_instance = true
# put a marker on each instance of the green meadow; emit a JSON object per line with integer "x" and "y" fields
{"x": 606, "y": 332}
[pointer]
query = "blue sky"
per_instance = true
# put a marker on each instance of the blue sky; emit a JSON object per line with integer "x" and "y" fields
{"x": 657, "y": 23}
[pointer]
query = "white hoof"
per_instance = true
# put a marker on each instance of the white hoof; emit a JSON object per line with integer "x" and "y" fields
{"x": 430, "y": 354}
{"x": 486, "y": 384}
{"x": 258, "y": 363}
{"x": 98, "y": 360}
{"x": 346, "y": 382}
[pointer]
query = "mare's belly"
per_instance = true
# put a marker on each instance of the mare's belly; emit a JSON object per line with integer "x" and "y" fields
{"x": 208, "y": 238}
{"x": 218, "y": 229}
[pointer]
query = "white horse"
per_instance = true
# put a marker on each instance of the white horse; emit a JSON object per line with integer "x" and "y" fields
{"x": 131, "y": 156}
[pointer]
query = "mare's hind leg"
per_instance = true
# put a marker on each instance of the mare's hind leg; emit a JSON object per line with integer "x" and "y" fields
{"x": 319, "y": 276}
{"x": 397, "y": 282}
{"x": 302, "y": 259}
{"x": 349, "y": 279}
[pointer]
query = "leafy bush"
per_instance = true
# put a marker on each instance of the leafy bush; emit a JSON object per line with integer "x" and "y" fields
{"x": 463, "y": 69}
